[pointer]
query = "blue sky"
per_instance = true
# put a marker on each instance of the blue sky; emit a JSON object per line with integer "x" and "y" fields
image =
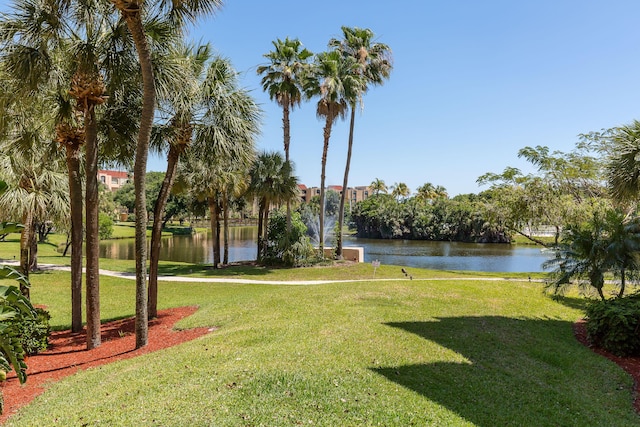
{"x": 473, "y": 81}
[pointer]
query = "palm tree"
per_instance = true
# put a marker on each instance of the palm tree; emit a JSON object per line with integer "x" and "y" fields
{"x": 29, "y": 164}
{"x": 378, "y": 186}
{"x": 283, "y": 80}
{"x": 272, "y": 182}
{"x": 400, "y": 190}
{"x": 334, "y": 80}
{"x": 228, "y": 121}
{"x": 608, "y": 243}
{"x": 180, "y": 107}
{"x": 132, "y": 12}
{"x": 623, "y": 168}
{"x": 373, "y": 66}
{"x": 73, "y": 50}
{"x": 31, "y": 55}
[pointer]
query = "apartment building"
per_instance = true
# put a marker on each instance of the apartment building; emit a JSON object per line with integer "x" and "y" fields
{"x": 113, "y": 179}
{"x": 354, "y": 194}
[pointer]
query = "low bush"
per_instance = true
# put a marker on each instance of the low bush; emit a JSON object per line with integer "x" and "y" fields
{"x": 614, "y": 324}
{"x": 105, "y": 226}
{"x": 293, "y": 250}
{"x": 34, "y": 332}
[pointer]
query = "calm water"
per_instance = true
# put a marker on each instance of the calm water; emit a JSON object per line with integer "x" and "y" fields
{"x": 410, "y": 253}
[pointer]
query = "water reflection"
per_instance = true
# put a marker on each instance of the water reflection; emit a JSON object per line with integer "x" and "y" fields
{"x": 436, "y": 255}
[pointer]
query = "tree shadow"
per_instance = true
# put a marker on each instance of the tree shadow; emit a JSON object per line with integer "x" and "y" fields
{"x": 510, "y": 372}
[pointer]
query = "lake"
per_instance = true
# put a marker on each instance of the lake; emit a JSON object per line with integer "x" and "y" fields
{"x": 410, "y": 253}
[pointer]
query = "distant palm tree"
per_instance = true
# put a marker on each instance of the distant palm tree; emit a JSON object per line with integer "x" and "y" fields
{"x": 272, "y": 182}
{"x": 429, "y": 192}
{"x": 283, "y": 80}
{"x": 378, "y": 186}
{"x": 374, "y": 65}
{"x": 223, "y": 147}
{"x": 334, "y": 79}
{"x": 400, "y": 190}
{"x": 623, "y": 168}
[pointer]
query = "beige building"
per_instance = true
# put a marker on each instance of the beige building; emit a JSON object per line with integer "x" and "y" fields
{"x": 113, "y": 179}
{"x": 354, "y": 194}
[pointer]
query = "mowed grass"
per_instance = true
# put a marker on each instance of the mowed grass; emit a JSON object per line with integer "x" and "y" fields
{"x": 386, "y": 353}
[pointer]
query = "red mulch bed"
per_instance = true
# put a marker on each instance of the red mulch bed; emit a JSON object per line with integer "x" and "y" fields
{"x": 629, "y": 364}
{"x": 67, "y": 353}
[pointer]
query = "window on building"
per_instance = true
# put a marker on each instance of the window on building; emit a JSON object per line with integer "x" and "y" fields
{"x": 103, "y": 179}
{"x": 114, "y": 180}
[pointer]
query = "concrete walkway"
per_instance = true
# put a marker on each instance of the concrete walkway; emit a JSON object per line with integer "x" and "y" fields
{"x": 132, "y": 276}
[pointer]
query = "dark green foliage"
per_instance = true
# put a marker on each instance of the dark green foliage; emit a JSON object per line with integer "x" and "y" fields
{"x": 13, "y": 305}
{"x": 34, "y": 331}
{"x": 608, "y": 243}
{"x": 293, "y": 250}
{"x": 105, "y": 226}
{"x": 615, "y": 324}
{"x": 461, "y": 219}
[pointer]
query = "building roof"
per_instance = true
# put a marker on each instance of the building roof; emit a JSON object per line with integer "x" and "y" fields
{"x": 115, "y": 174}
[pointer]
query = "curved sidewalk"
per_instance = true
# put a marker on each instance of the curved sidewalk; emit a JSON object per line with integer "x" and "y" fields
{"x": 132, "y": 276}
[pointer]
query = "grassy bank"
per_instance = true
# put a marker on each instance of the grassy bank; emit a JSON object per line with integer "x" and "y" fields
{"x": 390, "y": 353}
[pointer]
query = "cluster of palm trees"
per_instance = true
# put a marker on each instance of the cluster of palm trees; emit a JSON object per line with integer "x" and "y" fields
{"x": 86, "y": 78}
{"x": 338, "y": 78}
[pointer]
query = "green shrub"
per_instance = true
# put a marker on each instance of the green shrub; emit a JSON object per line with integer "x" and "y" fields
{"x": 105, "y": 226}
{"x": 34, "y": 332}
{"x": 615, "y": 324}
{"x": 294, "y": 250}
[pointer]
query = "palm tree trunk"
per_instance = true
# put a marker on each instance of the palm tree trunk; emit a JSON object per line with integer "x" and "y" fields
{"x": 286, "y": 127}
{"x": 265, "y": 227}
{"x": 345, "y": 183}
{"x": 327, "y": 135}
{"x": 260, "y": 226}
{"x": 156, "y": 233}
{"x": 33, "y": 251}
{"x": 225, "y": 216}
{"x": 622, "y": 282}
{"x": 75, "y": 196}
{"x": 215, "y": 227}
{"x": 132, "y": 14}
{"x": 25, "y": 238}
{"x": 92, "y": 229}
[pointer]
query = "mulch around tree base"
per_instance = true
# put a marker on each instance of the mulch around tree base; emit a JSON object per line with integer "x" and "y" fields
{"x": 630, "y": 364}
{"x": 67, "y": 353}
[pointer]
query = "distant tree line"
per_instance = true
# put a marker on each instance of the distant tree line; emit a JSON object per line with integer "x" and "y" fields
{"x": 461, "y": 219}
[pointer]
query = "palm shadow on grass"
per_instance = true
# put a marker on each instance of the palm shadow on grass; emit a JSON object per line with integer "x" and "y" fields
{"x": 515, "y": 372}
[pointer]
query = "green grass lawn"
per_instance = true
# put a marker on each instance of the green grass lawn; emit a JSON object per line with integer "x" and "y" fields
{"x": 387, "y": 353}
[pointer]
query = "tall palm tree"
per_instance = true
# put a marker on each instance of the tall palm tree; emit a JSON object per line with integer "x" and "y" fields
{"x": 73, "y": 48}
{"x": 334, "y": 80}
{"x": 33, "y": 36}
{"x": 373, "y": 66}
{"x": 283, "y": 80}
{"x": 132, "y": 12}
{"x": 272, "y": 182}
{"x": 180, "y": 107}
{"x": 225, "y": 128}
